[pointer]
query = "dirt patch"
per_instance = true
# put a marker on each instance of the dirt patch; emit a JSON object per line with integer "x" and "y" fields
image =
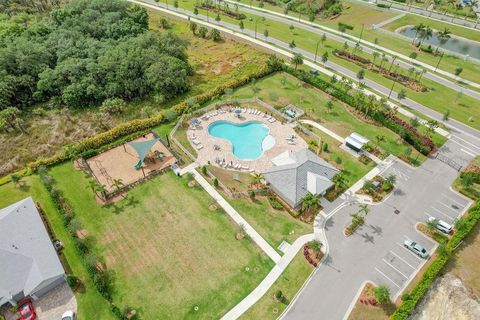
{"x": 448, "y": 298}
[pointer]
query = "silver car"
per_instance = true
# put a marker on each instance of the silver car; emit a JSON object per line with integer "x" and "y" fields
{"x": 416, "y": 248}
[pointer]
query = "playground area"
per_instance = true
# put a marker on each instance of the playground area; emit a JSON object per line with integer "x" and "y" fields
{"x": 131, "y": 162}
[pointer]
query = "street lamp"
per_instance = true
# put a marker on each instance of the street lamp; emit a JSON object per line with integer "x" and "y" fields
{"x": 316, "y": 50}
{"x": 391, "y": 89}
{"x": 438, "y": 63}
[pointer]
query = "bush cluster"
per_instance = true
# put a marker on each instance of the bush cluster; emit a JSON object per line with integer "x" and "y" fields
{"x": 409, "y": 133}
{"x": 89, "y": 145}
{"x": 411, "y": 299}
{"x": 101, "y": 279}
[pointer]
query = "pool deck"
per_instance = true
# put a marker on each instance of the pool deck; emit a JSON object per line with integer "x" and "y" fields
{"x": 201, "y": 140}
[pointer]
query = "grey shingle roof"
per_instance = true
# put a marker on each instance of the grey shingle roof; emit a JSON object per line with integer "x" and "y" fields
{"x": 290, "y": 180}
{"x": 27, "y": 256}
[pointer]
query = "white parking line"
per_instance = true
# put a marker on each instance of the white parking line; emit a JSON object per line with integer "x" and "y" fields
{"x": 453, "y": 200}
{"x": 395, "y": 268}
{"x": 469, "y": 153}
{"x": 447, "y": 206}
{"x": 413, "y": 254}
{"x": 446, "y": 215}
{"x": 408, "y": 264}
{"x": 383, "y": 274}
{"x": 467, "y": 142}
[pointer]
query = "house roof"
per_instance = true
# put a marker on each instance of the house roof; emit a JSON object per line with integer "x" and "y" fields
{"x": 27, "y": 256}
{"x": 296, "y": 173}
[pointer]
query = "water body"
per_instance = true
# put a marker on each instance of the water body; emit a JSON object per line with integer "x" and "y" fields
{"x": 246, "y": 138}
{"x": 454, "y": 44}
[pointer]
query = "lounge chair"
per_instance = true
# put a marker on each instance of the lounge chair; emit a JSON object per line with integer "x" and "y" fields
{"x": 290, "y": 142}
{"x": 245, "y": 167}
{"x": 199, "y": 147}
{"x": 272, "y": 120}
{"x": 196, "y": 142}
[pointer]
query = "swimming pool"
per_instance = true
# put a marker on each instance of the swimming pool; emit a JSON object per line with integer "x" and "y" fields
{"x": 249, "y": 140}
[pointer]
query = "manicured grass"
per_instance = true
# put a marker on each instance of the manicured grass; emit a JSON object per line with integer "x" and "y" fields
{"x": 434, "y": 24}
{"x": 274, "y": 225}
{"x": 352, "y": 169}
{"x": 358, "y": 14}
{"x": 168, "y": 251}
{"x": 439, "y": 98}
{"x": 289, "y": 283}
{"x": 342, "y": 119}
{"x": 91, "y": 305}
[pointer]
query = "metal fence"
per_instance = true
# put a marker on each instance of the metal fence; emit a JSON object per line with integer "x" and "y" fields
{"x": 452, "y": 163}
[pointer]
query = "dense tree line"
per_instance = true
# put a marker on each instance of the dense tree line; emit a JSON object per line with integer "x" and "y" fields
{"x": 85, "y": 52}
{"x": 12, "y": 7}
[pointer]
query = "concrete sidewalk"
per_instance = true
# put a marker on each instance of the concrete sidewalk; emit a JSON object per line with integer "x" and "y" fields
{"x": 252, "y": 233}
{"x": 269, "y": 280}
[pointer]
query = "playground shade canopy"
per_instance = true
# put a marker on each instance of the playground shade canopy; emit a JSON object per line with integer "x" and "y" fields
{"x": 143, "y": 148}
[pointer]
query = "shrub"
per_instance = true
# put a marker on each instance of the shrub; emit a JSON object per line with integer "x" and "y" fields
{"x": 382, "y": 295}
{"x": 411, "y": 299}
{"x": 215, "y": 182}
{"x": 72, "y": 281}
{"x": 382, "y": 5}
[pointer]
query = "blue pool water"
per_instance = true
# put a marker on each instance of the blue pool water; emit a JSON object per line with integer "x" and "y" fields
{"x": 246, "y": 138}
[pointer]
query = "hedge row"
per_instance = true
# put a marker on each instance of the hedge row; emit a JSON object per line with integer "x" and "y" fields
{"x": 411, "y": 299}
{"x": 101, "y": 279}
{"x": 410, "y": 134}
{"x": 138, "y": 125}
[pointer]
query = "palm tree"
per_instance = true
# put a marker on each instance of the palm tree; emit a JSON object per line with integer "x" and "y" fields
{"x": 340, "y": 181}
{"x": 418, "y": 28}
{"x": 93, "y": 186}
{"x": 391, "y": 179}
{"x": 364, "y": 208}
{"x": 443, "y": 37}
{"x": 425, "y": 34}
{"x": 117, "y": 184}
{"x": 257, "y": 179}
{"x": 310, "y": 201}
{"x": 432, "y": 225}
{"x": 297, "y": 60}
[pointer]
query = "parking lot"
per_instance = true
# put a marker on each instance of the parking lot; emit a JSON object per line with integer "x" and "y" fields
{"x": 399, "y": 265}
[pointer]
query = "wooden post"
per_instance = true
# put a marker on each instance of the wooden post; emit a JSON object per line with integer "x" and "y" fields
{"x": 143, "y": 172}
{"x": 124, "y": 149}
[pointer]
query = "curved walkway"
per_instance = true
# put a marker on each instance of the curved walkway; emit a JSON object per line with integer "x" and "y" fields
{"x": 269, "y": 280}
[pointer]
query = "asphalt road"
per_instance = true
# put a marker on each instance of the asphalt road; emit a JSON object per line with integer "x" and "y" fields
{"x": 375, "y": 252}
{"x": 457, "y": 127}
{"x": 432, "y": 14}
{"x": 401, "y": 63}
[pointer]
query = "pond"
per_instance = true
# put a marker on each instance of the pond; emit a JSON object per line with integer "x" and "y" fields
{"x": 455, "y": 44}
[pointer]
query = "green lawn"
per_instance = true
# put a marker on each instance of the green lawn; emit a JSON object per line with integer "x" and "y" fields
{"x": 356, "y": 14}
{"x": 289, "y": 283}
{"x": 168, "y": 251}
{"x": 91, "y": 305}
{"x": 439, "y": 98}
{"x": 341, "y": 119}
{"x": 274, "y": 225}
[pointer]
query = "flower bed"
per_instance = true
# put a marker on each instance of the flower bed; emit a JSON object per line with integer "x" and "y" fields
{"x": 406, "y": 81}
{"x": 311, "y": 256}
{"x": 420, "y": 142}
{"x": 357, "y": 221}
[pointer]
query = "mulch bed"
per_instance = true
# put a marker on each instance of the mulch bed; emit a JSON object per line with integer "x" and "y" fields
{"x": 311, "y": 256}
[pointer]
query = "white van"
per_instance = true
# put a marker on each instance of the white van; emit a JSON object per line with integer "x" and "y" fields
{"x": 442, "y": 226}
